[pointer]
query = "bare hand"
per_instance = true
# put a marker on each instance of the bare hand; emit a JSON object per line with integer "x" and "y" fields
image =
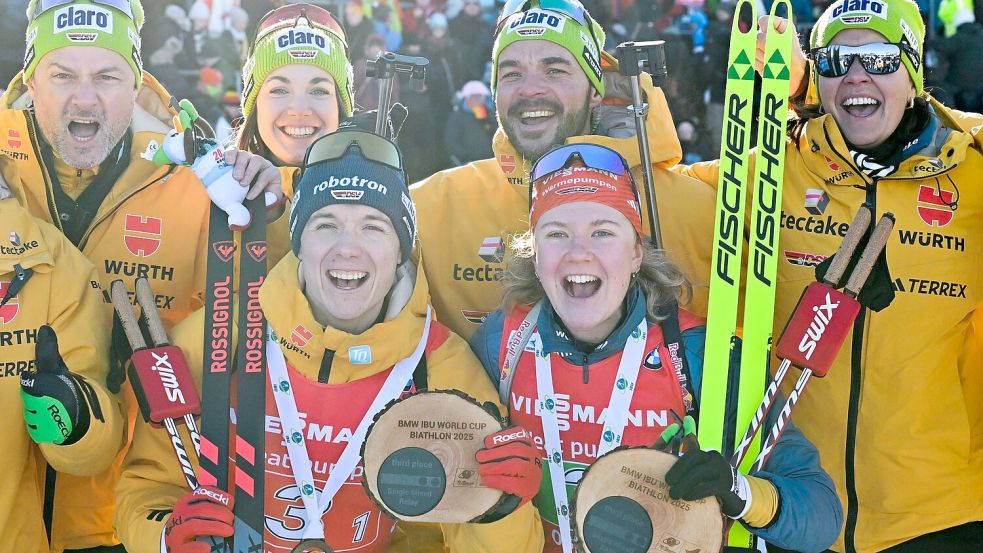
{"x": 258, "y": 173}
{"x": 797, "y": 65}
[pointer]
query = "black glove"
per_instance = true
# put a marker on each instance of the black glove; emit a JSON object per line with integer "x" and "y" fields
{"x": 54, "y": 407}
{"x": 699, "y": 474}
{"x": 878, "y": 292}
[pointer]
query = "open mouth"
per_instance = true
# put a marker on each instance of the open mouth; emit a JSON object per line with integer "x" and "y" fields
{"x": 347, "y": 280}
{"x": 863, "y": 106}
{"x": 581, "y": 286}
{"x": 83, "y": 130}
{"x": 299, "y": 133}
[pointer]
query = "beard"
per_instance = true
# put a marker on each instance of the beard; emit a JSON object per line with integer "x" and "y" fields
{"x": 568, "y": 124}
{"x": 88, "y": 154}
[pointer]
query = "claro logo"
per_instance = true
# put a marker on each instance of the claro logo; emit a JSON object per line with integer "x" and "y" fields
{"x": 824, "y": 314}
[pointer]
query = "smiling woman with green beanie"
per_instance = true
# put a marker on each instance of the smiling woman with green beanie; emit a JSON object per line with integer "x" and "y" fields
{"x": 898, "y": 405}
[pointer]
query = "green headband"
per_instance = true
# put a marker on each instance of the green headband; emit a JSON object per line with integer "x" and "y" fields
{"x": 84, "y": 23}
{"x": 300, "y": 43}
{"x": 560, "y": 29}
{"x": 898, "y": 20}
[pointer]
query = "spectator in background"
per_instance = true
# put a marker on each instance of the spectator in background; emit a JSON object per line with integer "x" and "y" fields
{"x": 474, "y": 36}
{"x": 442, "y": 71}
{"x": 422, "y": 157}
{"x": 382, "y": 20}
{"x": 962, "y": 51}
{"x": 357, "y": 27}
{"x": 220, "y": 55}
{"x": 199, "y": 14}
{"x": 206, "y": 94}
{"x": 173, "y": 24}
{"x": 714, "y": 71}
{"x": 367, "y": 89}
{"x": 231, "y": 118}
{"x": 471, "y": 126}
{"x": 237, "y": 31}
{"x": 163, "y": 64}
{"x": 415, "y": 19}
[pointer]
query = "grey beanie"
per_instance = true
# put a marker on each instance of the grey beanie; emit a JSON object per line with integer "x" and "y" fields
{"x": 354, "y": 179}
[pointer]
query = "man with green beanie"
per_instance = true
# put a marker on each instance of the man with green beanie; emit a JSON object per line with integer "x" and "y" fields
{"x": 550, "y": 78}
{"x": 77, "y": 122}
{"x": 897, "y": 420}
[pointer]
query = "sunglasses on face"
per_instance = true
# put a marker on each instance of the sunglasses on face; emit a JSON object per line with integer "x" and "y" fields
{"x": 121, "y": 5}
{"x": 877, "y": 58}
{"x": 593, "y": 156}
{"x": 372, "y": 146}
{"x": 290, "y": 15}
{"x": 570, "y": 8}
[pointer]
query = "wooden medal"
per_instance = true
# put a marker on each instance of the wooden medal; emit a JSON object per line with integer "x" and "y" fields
{"x": 419, "y": 457}
{"x": 622, "y": 505}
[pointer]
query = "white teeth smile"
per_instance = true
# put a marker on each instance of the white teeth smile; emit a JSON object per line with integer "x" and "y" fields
{"x": 298, "y": 132}
{"x": 860, "y": 102}
{"x": 540, "y": 113}
{"x": 581, "y": 279}
{"x": 347, "y": 275}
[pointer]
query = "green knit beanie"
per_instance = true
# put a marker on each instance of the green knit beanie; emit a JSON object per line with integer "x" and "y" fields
{"x": 299, "y": 41}
{"x": 559, "y": 28}
{"x": 85, "y": 23}
{"x": 898, "y": 20}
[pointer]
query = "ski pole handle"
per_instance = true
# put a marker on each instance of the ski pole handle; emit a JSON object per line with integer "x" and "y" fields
{"x": 877, "y": 242}
{"x": 858, "y": 227}
{"x": 121, "y": 303}
{"x": 145, "y": 297}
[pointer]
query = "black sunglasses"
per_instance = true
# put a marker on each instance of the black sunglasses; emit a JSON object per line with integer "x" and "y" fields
{"x": 877, "y": 58}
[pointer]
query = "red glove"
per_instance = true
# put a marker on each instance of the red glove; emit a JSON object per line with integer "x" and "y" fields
{"x": 207, "y": 511}
{"x": 511, "y": 462}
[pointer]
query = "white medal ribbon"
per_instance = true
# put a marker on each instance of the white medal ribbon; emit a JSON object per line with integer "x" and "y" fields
{"x": 316, "y": 504}
{"x": 616, "y": 417}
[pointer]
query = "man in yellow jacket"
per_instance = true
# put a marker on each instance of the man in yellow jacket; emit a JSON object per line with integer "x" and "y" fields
{"x": 898, "y": 420}
{"x": 550, "y": 78}
{"x": 76, "y": 126}
{"x": 56, "y": 359}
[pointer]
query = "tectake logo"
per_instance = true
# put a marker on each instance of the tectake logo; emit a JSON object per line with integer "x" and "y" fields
{"x": 141, "y": 234}
{"x": 8, "y": 311}
{"x": 854, "y": 12}
{"x": 936, "y": 205}
{"x": 360, "y": 355}
{"x": 816, "y": 201}
{"x": 492, "y": 249}
{"x": 83, "y": 17}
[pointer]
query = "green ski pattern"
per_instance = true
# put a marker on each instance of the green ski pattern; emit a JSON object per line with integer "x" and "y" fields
{"x": 725, "y": 277}
{"x": 759, "y": 296}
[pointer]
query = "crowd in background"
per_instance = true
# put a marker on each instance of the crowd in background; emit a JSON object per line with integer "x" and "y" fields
{"x": 195, "y": 47}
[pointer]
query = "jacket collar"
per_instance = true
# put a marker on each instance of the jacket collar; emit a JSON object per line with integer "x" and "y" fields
{"x": 304, "y": 341}
{"x": 664, "y": 145}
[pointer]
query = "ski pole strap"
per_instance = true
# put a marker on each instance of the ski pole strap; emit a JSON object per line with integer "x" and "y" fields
{"x": 614, "y": 425}
{"x": 250, "y": 439}
{"x": 519, "y": 338}
{"x": 315, "y": 504}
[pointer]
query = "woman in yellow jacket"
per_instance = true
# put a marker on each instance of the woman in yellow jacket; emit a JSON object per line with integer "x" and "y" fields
{"x": 348, "y": 304}
{"x": 53, "y": 367}
{"x": 898, "y": 421}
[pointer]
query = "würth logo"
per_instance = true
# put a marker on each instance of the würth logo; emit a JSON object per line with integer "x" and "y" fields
{"x": 831, "y": 164}
{"x": 13, "y": 139}
{"x": 935, "y": 205}
{"x": 507, "y": 163}
{"x": 224, "y": 249}
{"x": 8, "y": 311}
{"x": 300, "y": 336}
{"x": 257, "y": 250}
{"x": 141, "y": 234}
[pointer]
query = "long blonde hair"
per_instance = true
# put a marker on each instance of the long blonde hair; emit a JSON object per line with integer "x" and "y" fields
{"x": 661, "y": 279}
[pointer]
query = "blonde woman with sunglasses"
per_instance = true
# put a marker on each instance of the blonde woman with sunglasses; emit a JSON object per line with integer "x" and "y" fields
{"x": 898, "y": 421}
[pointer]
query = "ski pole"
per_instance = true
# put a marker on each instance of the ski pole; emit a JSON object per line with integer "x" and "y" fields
{"x": 825, "y": 334}
{"x": 841, "y": 259}
{"x": 159, "y": 373}
{"x": 633, "y": 58}
{"x": 385, "y": 67}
